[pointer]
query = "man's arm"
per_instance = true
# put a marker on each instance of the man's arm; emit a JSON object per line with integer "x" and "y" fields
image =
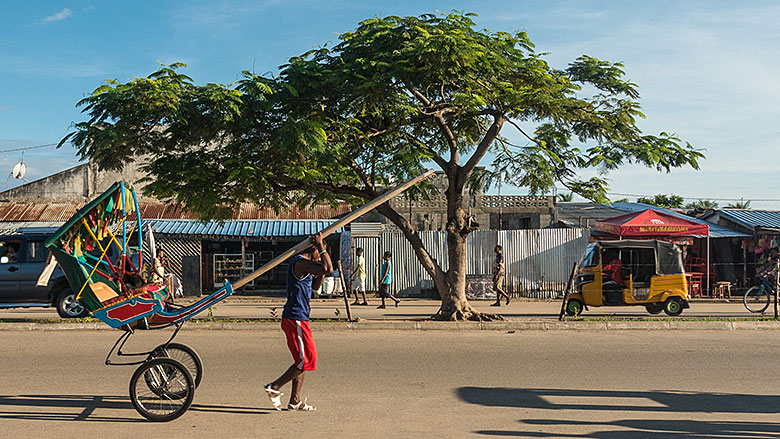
{"x": 386, "y": 269}
{"x": 317, "y": 269}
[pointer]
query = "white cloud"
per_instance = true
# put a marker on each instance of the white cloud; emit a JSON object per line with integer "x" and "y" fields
{"x": 59, "y": 16}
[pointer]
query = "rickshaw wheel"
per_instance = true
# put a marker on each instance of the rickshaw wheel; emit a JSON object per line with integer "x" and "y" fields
{"x": 162, "y": 389}
{"x": 574, "y": 307}
{"x": 673, "y": 306}
{"x": 184, "y": 355}
{"x": 654, "y": 308}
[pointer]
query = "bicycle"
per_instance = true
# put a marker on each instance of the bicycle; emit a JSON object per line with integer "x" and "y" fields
{"x": 758, "y": 298}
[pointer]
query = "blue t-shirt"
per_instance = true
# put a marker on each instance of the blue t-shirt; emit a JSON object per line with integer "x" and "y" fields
{"x": 387, "y": 266}
{"x": 298, "y": 294}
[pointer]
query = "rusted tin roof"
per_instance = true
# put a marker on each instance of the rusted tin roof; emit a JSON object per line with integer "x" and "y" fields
{"x": 21, "y": 211}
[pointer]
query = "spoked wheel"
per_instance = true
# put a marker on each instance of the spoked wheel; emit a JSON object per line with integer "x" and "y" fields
{"x": 654, "y": 308}
{"x": 162, "y": 389}
{"x": 756, "y": 300}
{"x": 184, "y": 355}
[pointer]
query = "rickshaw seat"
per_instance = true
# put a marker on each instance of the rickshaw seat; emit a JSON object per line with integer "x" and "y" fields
{"x": 102, "y": 291}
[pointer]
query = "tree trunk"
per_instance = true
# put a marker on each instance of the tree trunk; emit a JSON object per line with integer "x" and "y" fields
{"x": 451, "y": 285}
{"x": 454, "y": 305}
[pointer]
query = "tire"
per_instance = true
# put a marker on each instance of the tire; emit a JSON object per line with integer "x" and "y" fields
{"x": 574, "y": 307}
{"x": 68, "y": 307}
{"x": 654, "y": 308}
{"x": 184, "y": 355}
{"x": 756, "y": 300}
{"x": 162, "y": 389}
{"x": 673, "y": 306}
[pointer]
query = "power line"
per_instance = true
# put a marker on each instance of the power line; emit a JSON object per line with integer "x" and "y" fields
{"x": 29, "y": 147}
{"x": 686, "y": 198}
{"x": 696, "y": 198}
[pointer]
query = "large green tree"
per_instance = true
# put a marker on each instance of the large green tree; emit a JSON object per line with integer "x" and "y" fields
{"x": 393, "y": 96}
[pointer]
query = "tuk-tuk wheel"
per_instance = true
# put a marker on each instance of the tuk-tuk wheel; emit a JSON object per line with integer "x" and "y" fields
{"x": 654, "y": 308}
{"x": 574, "y": 307}
{"x": 673, "y": 306}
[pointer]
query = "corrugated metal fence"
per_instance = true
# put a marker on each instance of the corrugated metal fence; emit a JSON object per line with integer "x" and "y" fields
{"x": 176, "y": 249}
{"x": 538, "y": 262}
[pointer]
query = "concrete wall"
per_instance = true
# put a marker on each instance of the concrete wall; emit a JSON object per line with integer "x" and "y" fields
{"x": 80, "y": 183}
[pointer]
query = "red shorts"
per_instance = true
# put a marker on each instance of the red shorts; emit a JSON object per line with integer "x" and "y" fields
{"x": 301, "y": 343}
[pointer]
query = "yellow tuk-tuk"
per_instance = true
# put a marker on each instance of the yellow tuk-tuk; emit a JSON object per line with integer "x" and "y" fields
{"x": 630, "y": 272}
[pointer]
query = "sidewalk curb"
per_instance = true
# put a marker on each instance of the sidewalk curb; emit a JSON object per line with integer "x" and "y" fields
{"x": 400, "y": 325}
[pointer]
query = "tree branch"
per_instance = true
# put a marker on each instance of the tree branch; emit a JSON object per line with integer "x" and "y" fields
{"x": 429, "y": 264}
{"x": 490, "y": 136}
{"x": 290, "y": 185}
{"x": 420, "y": 97}
{"x": 439, "y": 160}
{"x": 514, "y": 124}
{"x": 447, "y": 133}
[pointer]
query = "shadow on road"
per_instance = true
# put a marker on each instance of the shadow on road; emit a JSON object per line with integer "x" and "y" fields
{"x": 83, "y": 407}
{"x": 631, "y": 401}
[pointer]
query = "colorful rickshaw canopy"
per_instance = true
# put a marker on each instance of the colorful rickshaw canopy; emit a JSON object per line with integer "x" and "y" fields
{"x": 650, "y": 222}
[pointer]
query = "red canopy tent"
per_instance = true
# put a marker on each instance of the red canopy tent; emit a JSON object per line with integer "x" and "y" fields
{"x": 649, "y": 223}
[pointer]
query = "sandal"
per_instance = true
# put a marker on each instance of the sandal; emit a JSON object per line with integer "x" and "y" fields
{"x": 302, "y": 406}
{"x": 275, "y": 396}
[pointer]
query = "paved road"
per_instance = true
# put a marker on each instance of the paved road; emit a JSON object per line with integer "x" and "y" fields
{"x": 243, "y": 308}
{"x": 595, "y": 384}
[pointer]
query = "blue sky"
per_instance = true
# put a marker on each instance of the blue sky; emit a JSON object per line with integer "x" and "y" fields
{"x": 708, "y": 71}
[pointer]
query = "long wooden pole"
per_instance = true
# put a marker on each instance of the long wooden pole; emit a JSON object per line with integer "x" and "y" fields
{"x": 569, "y": 287}
{"x": 371, "y": 205}
{"x": 777, "y": 284}
{"x": 345, "y": 291}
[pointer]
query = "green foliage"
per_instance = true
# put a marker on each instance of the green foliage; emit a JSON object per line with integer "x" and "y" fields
{"x": 702, "y": 205}
{"x": 566, "y": 197}
{"x": 393, "y": 95}
{"x": 742, "y": 204}
{"x": 662, "y": 200}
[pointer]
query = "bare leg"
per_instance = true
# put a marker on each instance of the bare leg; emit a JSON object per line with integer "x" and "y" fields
{"x": 501, "y": 293}
{"x": 291, "y": 374}
{"x": 396, "y": 300}
{"x": 356, "y": 297}
{"x": 365, "y": 302}
{"x": 295, "y": 393}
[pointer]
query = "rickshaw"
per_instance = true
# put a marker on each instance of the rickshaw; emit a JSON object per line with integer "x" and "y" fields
{"x": 102, "y": 253}
{"x": 630, "y": 272}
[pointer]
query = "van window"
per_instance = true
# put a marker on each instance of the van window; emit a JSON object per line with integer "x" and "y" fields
{"x": 36, "y": 251}
{"x": 9, "y": 250}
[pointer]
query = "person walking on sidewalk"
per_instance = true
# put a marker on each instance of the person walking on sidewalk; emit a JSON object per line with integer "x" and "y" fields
{"x": 358, "y": 280}
{"x": 498, "y": 277}
{"x": 386, "y": 280}
{"x": 306, "y": 271}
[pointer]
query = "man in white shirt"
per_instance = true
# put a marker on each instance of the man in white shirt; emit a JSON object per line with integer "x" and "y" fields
{"x": 359, "y": 277}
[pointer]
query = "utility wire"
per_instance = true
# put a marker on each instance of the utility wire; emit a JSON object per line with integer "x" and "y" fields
{"x": 562, "y": 190}
{"x": 696, "y": 198}
{"x": 29, "y": 147}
